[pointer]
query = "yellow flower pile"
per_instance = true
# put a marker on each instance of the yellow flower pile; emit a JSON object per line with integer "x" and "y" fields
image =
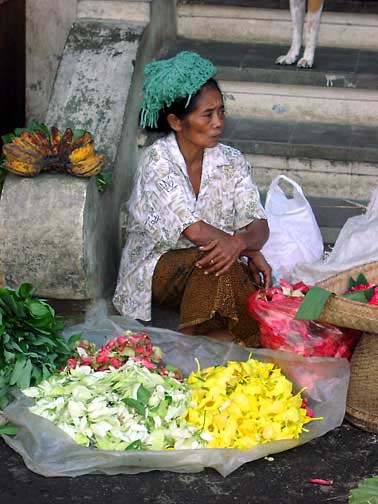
{"x": 244, "y": 404}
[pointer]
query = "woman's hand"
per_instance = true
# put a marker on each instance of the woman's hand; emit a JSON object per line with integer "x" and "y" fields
{"x": 220, "y": 254}
{"x": 257, "y": 265}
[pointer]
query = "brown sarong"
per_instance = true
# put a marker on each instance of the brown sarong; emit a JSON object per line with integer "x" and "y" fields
{"x": 205, "y": 301}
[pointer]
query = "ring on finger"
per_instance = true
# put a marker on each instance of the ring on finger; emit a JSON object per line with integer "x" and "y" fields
{"x": 212, "y": 261}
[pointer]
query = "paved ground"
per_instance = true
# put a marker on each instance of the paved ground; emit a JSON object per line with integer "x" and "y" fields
{"x": 345, "y": 456}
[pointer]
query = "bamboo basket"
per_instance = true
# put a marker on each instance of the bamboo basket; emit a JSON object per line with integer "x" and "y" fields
{"x": 362, "y": 399}
{"x": 344, "y": 312}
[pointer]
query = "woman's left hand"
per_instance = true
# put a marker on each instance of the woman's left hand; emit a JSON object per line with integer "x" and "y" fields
{"x": 258, "y": 266}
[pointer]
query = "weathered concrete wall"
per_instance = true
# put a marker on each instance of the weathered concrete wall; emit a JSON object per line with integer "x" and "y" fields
{"x": 158, "y": 35}
{"x": 59, "y": 232}
{"x": 47, "y": 25}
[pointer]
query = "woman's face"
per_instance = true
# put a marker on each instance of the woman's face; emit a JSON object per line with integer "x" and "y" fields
{"x": 204, "y": 125}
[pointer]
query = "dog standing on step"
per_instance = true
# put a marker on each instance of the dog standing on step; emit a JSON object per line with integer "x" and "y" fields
{"x": 314, "y": 12}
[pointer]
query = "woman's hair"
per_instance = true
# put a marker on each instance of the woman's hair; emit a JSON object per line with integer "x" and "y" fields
{"x": 181, "y": 108}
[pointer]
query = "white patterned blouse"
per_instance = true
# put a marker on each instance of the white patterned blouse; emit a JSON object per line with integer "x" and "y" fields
{"x": 163, "y": 204}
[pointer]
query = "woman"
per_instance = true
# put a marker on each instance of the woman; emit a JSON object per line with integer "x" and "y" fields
{"x": 194, "y": 211}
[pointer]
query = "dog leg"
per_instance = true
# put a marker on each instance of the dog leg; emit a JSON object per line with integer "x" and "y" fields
{"x": 314, "y": 13}
{"x": 297, "y": 10}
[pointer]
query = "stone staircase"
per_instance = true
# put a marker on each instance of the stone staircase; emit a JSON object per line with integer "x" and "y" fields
{"x": 318, "y": 126}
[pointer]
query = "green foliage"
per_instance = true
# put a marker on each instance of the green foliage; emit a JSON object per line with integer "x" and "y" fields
{"x": 103, "y": 180}
{"x": 31, "y": 343}
{"x": 312, "y": 304}
{"x": 362, "y": 296}
{"x": 366, "y": 492}
{"x": 9, "y": 429}
{"x": 360, "y": 280}
{"x": 33, "y": 126}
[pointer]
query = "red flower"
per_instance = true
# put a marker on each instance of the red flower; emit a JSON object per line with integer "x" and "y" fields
{"x": 111, "y": 344}
{"x": 116, "y": 363}
{"x": 71, "y": 363}
{"x": 374, "y": 299}
{"x": 86, "y": 360}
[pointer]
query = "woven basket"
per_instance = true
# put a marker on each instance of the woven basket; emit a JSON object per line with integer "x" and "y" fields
{"x": 344, "y": 312}
{"x": 362, "y": 400}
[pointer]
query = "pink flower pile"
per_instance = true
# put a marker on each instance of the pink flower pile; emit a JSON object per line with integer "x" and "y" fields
{"x": 115, "y": 353}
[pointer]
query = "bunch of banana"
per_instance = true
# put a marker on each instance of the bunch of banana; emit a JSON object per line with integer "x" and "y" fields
{"x": 33, "y": 152}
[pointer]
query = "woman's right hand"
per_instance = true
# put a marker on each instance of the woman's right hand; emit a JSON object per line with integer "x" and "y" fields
{"x": 220, "y": 254}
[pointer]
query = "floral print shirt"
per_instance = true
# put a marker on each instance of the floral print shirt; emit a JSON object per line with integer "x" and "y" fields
{"x": 163, "y": 204}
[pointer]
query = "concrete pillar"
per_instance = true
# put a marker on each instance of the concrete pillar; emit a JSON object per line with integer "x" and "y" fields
{"x": 48, "y": 23}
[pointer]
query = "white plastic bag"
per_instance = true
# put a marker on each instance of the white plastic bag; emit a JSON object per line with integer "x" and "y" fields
{"x": 49, "y": 451}
{"x": 295, "y": 236}
{"x": 356, "y": 244}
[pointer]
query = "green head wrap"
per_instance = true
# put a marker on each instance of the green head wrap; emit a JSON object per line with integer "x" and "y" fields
{"x": 166, "y": 80}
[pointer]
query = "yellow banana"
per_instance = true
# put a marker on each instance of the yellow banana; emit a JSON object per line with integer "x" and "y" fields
{"x": 22, "y": 168}
{"x": 42, "y": 139}
{"x": 12, "y": 151}
{"x": 38, "y": 141}
{"x": 27, "y": 145}
{"x": 56, "y": 138}
{"x": 31, "y": 153}
{"x": 85, "y": 138}
{"x": 89, "y": 167}
{"x": 82, "y": 153}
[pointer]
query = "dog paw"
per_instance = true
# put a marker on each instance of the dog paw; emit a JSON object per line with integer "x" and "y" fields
{"x": 305, "y": 63}
{"x": 286, "y": 59}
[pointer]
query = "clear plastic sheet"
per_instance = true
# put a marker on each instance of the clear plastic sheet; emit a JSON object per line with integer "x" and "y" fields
{"x": 48, "y": 451}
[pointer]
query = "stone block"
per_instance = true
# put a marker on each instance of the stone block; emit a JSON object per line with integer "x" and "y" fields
{"x": 58, "y": 232}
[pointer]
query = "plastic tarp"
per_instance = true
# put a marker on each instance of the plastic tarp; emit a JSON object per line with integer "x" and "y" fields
{"x": 48, "y": 451}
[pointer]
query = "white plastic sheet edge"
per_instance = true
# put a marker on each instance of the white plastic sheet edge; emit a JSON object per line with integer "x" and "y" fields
{"x": 48, "y": 451}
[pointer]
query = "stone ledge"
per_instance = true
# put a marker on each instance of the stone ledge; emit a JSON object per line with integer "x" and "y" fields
{"x": 354, "y": 6}
{"x": 254, "y": 62}
{"x": 295, "y": 139}
{"x": 131, "y": 11}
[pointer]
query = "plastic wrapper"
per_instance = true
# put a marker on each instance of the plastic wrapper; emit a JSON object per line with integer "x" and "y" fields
{"x": 47, "y": 450}
{"x": 275, "y": 313}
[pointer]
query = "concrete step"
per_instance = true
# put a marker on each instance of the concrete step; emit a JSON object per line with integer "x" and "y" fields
{"x": 356, "y": 6}
{"x": 133, "y": 11}
{"x": 304, "y": 103}
{"x": 254, "y": 86}
{"x": 329, "y": 161}
{"x": 225, "y": 21}
{"x": 336, "y": 67}
{"x": 334, "y": 142}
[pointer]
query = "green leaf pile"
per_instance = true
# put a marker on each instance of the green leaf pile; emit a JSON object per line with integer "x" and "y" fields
{"x": 366, "y": 492}
{"x": 31, "y": 344}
